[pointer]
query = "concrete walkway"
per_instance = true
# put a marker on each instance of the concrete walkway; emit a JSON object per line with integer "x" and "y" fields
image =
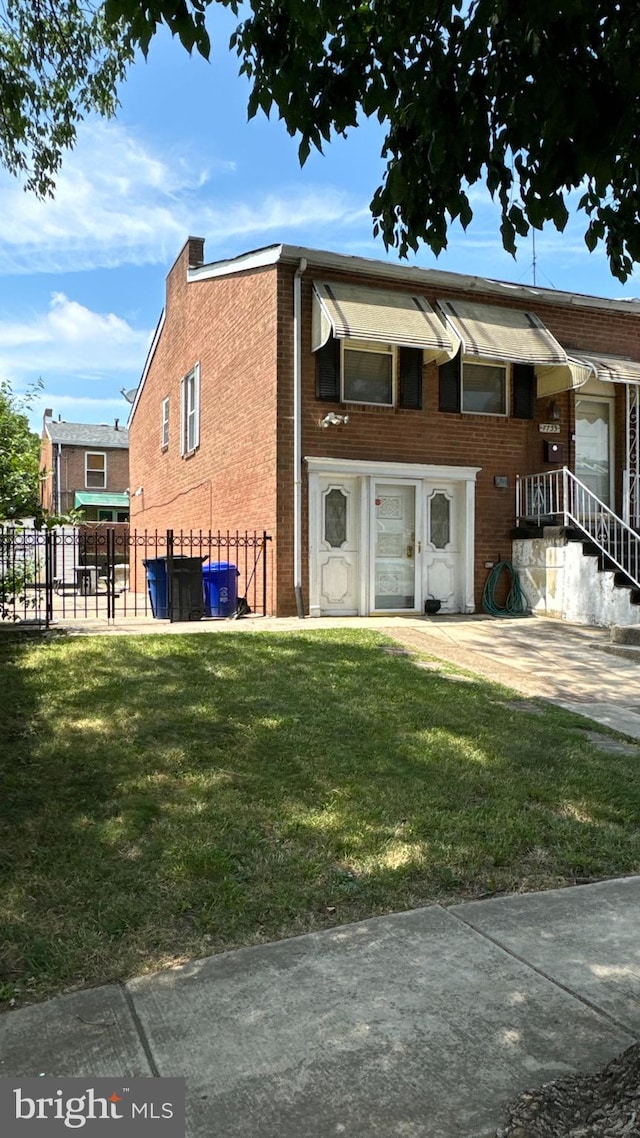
{"x": 574, "y": 666}
{"x": 416, "y": 1025}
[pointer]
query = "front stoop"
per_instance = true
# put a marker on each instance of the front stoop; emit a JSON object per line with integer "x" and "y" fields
{"x": 564, "y": 575}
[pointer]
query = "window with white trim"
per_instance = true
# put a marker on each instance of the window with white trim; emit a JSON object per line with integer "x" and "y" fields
{"x": 484, "y": 388}
{"x": 95, "y": 470}
{"x": 165, "y": 423}
{"x": 190, "y": 411}
{"x": 368, "y": 372}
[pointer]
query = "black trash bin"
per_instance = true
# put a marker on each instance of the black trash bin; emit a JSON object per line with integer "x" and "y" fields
{"x": 175, "y": 587}
{"x": 187, "y": 592}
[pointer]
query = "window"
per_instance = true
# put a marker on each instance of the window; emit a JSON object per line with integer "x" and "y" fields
{"x": 95, "y": 470}
{"x": 356, "y": 371}
{"x": 484, "y": 388}
{"x": 367, "y": 372}
{"x": 335, "y": 518}
{"x": 190, "y": 412}
{"x": 165, "y": 423}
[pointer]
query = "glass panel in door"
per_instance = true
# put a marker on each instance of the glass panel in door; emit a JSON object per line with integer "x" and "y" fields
{"x": 593, "y": 446}
{"x": 395, "y": 546}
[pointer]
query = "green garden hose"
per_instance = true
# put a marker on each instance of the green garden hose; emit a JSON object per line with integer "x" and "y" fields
{"x": 515, "y": 604}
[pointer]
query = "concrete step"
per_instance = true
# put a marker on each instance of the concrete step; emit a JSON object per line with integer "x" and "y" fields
{"x": 625, "y": 634}
{"x": 624, "y": 651}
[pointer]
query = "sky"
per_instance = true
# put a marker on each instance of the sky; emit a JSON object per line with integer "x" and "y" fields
{"x": 82, "y": 276}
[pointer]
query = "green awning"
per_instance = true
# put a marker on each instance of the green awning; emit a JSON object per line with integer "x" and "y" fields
{"x": 108, "y": 501}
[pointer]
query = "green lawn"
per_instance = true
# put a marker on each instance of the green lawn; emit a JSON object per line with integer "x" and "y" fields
{"x": 167, "y": 797}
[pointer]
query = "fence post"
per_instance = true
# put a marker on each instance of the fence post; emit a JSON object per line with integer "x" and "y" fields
{"x": 111, "y": 574}
{"x": 264, "y": 572}
{"x": 170, "y": 573}
{"x": 49, "y": 573}
{"x": 565, "y": 494}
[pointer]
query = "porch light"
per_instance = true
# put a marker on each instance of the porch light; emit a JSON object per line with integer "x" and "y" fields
{"x": 553, "y": 411}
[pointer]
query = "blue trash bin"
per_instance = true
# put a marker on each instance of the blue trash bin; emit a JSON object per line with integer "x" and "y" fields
{"x": 220, "y": 580}
{"x": 157, "y": 584}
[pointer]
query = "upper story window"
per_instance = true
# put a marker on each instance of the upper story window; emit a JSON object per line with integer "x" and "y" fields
{"x": 95, "y": 470}
{"x": 360, "y": 371}
{"x": 484, "y": 388}
{"x": 164, "y": 437}
{"x": 190, "y": 411}
{"x": 368, "y": 372}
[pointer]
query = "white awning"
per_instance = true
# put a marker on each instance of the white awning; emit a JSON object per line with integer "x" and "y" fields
{"x": 611, "y": 369}
{"x": 563, "y": 377}
{"x": 354, "y": 312}
{"x": 504, "y": 334}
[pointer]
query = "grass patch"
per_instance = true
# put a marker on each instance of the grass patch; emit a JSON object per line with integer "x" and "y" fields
{"x": 168, "y": 797}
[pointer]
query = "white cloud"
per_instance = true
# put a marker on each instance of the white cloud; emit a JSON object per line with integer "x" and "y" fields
{"x": 70, "y": 339}
{"x": 118, "y": 202}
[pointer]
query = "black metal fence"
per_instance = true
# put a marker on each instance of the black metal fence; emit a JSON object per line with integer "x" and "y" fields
{"x": 111, "y": 572}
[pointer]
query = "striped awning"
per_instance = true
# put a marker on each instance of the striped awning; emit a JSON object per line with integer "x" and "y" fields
{"x": 563, "y": 377}
{"x": 508, "y": 335}
{"x": 354, "y": 312}
{"x": 611, "y": 369}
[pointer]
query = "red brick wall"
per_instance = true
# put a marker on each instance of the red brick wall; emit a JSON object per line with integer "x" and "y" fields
{"x": 240, "y": 329}
{"x": 499, "y": 446}
{"x": 72, "y": 472}
{"x": 228, "y": 326}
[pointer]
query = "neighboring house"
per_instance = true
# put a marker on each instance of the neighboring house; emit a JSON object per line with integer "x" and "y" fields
{"x": 85, "y": 467}
{"x": 374, "y": 418}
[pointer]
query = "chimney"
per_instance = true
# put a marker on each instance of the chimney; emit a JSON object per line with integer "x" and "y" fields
{"x": 116, "y": 424}
{"x": 196, "y": 252}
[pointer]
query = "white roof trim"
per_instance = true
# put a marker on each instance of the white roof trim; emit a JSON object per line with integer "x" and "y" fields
{"x": 147, "y": 365}
{"x": 433, "y": 278}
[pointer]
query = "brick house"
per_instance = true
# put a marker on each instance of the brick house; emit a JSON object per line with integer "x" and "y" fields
{"x": 85, "y": 467}
{"x": 374, "y": 418}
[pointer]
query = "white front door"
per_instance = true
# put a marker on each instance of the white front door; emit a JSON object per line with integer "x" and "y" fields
{"x": 338, "y": 537}
{"x": 594, "y": 445}
{"x": 385, "y": 537}
{"x": 441, "y": 556}
{"x": 394, "y": 552}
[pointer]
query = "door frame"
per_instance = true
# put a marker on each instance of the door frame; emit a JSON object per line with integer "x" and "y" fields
{"x": 464, "y": 477}
{"x": 418, "y": 522}
{"x": 596, "y": 397}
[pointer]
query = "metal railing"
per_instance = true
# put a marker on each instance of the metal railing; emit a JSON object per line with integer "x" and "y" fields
{"x": 99, "y": 570}
{"x": 544, "y": 499}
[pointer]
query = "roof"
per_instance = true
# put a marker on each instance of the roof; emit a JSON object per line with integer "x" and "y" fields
{"x": 314, "y": 261}
{"x": 87, "y": 435}
{"x": 410, "y": 274}
{"x": 106, "y": 498}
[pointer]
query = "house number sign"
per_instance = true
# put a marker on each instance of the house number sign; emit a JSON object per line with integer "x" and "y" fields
{"x": 549, "y": 428}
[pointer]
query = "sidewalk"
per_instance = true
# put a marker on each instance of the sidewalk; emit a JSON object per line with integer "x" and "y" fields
{"x": 416, "y": 1025}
